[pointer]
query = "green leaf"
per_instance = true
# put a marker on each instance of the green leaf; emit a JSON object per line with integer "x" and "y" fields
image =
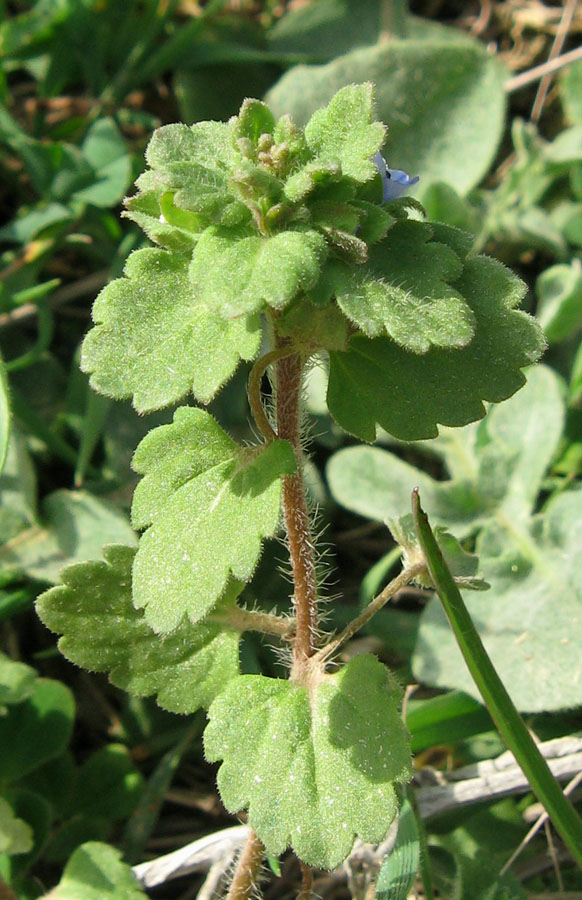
{"x": 156, "y": 339}
{"x": 106, "y": 152}
{"x": 497, "y": 466}
{"x": 314, "y": 767}
{"x": 443, "y": 101}
{"x": 95, "y": 872}
{"x": 399, "y": 868}
{"x": 16, "y": 836}
{"x": 103, "y": 632}
{"x": 17, "y": 488}
{"x": 75, "y": 526}
{"x": 16, "y": 680}
{"x": 35, "y": 730}
{"x": 376, "y": 381}
{"x": 344, "y": 130}
{"x": 209, "y": 503}
{"x": 254, "y": 119}
{"x": 195, "y": 162}
{"x": 559, "y": 291}
{"x": 408, "y": 295}
{"x": 108, "y": 784}
{"x": 239, "y": 273}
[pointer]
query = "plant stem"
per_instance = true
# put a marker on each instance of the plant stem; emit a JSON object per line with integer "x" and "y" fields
{"x": 295, "y": 512}
{"x": 254, "y": 390}
{"x": 306, "y": 881}
{"x": 247, "y": 869}
{"x": 238, "y": 619}
{"x": 405, "y": 577}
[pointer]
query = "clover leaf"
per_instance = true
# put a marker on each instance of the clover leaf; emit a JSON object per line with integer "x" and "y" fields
{"x": 103, "y": 632}
{"x": 206, "y": 503}
{"x": 316, "y": 767}
{"x": 377, "y": 382}
{"x": 156, "y": 339}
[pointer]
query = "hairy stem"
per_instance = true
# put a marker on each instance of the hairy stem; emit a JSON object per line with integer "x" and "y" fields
{"x": 405, "y": 577}
{"x": 296, "y": 514}
{"x": 247, "y": 869}
{"x": 238, "y": 619}
{"x": 306, "y": 881}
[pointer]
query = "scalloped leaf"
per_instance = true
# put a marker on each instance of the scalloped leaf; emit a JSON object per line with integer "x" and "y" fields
{"x": 315, "y": 767}
{"x": 103, "y": 632}
{"x": 406, "y": 292}
{"x": 208, "y": 504}
{"x": 377, "y": 382}
{"x": 345, "y": 130}
{"x": 241, "y": 273}
{"x": 156, "y": 339}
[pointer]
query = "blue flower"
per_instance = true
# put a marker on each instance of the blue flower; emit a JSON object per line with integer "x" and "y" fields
{"x": 394, "y": 181}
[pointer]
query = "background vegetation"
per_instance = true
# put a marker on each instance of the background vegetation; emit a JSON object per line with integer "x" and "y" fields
{"x": 82, "y": 85}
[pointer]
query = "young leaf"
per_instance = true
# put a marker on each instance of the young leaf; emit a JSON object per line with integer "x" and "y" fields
{"x": 314, "y": 767}
{"x": 228, "y": 498}
{"x": 156, "y": 339}
{"x": 241, "y": 273}
{"x": 96, "y": 872}
{"x": 103, "y": 632}
{"x": 344, "y": 130}
{"x": 406, "y": 292}
{"x": 376, "y": 381}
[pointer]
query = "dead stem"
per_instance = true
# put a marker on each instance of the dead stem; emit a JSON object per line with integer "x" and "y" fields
{"x": 306, "y": 881}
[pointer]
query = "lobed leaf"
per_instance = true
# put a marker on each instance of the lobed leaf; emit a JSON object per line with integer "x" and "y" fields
{"x": 495, "y": 468}
{"x": 208, "y": 504}
{"x": 103, "y": 632}
{"x": 316, "y": 766}
{"x": 156, "y": 338}
{"x": 240, "y": 273}
{"x": 345, "y": 130}
{"x": 406, "y": 292}
{"x": 377, "y": 382}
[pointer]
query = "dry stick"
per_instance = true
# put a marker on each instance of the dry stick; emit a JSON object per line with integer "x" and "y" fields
{"x": 561, "y": 34}
{"x": 525, "y": 78}
{"x": 406, "y": 576}
{"x": 247, "y": 869}
{"x": 295, "y": 512}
